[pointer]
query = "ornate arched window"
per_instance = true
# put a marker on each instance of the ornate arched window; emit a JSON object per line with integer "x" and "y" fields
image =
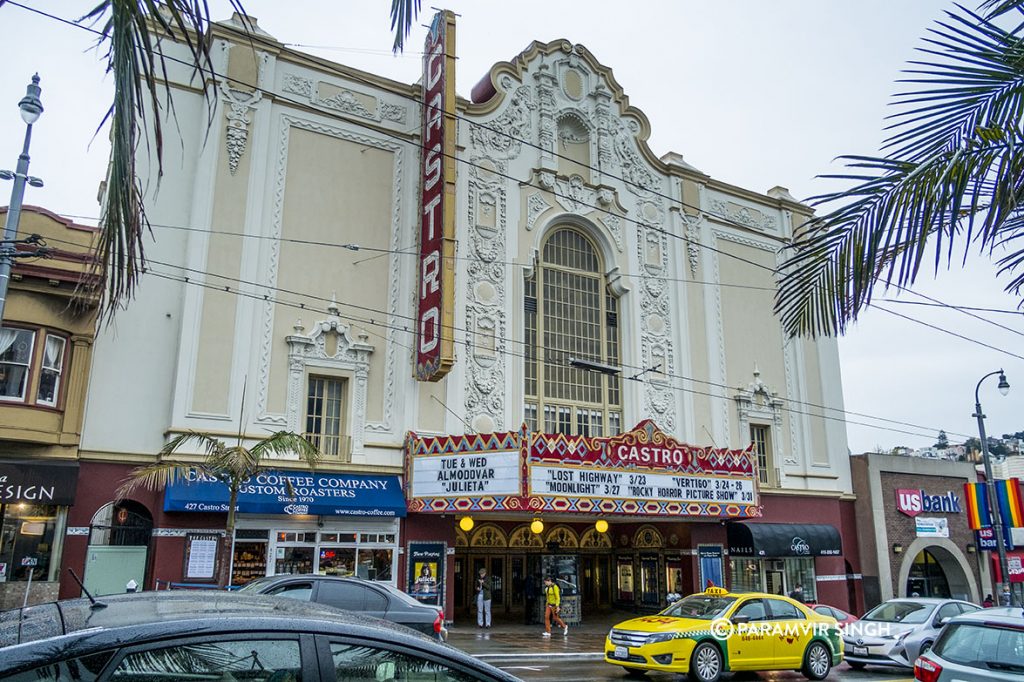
{"x": 569, "y": 313}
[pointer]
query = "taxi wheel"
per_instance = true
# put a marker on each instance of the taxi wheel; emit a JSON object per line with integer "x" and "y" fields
{"x": 706, "y": 663}
{"x": 817, "y": 662}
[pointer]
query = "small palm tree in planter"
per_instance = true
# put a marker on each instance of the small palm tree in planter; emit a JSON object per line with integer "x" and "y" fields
{"x": 232, "y": 465}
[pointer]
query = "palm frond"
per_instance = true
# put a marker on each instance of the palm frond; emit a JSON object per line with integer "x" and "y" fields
{"x": 403, "y": 14}
{"x": 287, "y": 443}
{"x": 158, "y": 475}
{"x": 133, "y": 33}
{"x": 209, "y": 444}
{"x": 952, "y": 178}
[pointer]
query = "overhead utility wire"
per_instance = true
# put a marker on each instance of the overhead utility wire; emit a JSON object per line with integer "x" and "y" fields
{"x": 403, "y": 138}
{"x": 1003, "y": 311}
{"x": 406, "y": 252}
{"x": 469, "y": 332}
{"x": 238, "y": 292}
{"x": 509, "y": 353}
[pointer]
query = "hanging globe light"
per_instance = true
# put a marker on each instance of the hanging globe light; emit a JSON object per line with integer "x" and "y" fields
{"x": 466, "y": 523}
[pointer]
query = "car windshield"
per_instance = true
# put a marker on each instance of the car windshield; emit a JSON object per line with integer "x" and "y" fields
{"x": 900, "y": 612}
{"x": 698, "y": 606}
{"x": 983, "y": 645}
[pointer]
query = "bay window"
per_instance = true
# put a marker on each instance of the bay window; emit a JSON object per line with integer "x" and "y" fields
{"x": 32, "y": 366}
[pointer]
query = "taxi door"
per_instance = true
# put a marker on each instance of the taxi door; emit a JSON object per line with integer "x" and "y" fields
{"x": 791, "y": 633}
{"x": 749, "y": 648}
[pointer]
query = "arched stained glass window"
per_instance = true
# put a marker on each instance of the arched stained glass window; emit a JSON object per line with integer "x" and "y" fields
{"x": 569, "y": 313}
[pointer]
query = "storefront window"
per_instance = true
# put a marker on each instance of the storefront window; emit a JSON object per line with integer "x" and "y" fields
{"x": 745, "y": 575}
{"x": 375, "y": 564}
{"x": 26, "y": 541}
{"x": 801, "y": 572}
{"x": 370, "y": 555}
{"x": 340, "y": 561}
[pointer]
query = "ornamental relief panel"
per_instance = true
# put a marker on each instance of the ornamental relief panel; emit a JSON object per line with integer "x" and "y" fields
{"x": 502, "y": 137}
{"x": 656, "y": 321}
{"x": 485, "y": 313}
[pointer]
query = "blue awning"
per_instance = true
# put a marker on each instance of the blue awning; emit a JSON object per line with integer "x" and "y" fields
{"x": 293, "y": 492}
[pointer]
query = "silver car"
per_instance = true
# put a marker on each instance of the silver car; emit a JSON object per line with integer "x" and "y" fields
{"x": 896, "y": 632}
{"x": 977, "y": 647}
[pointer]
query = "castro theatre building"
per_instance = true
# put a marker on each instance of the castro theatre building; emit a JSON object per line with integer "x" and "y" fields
{"x": 594, "y": 386}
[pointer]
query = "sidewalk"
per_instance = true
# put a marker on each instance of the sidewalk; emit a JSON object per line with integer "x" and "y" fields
{"x": 512, "y": 641}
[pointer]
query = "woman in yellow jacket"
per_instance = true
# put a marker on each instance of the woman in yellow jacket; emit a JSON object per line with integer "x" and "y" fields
{"x": 552, "y": 605}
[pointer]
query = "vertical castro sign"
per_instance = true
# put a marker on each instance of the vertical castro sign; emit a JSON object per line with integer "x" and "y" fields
{"x": 435, "y": 343}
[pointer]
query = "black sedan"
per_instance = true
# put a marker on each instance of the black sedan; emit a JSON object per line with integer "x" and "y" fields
{"x": 379, "y": 600}
{"x": 219, "y": 637}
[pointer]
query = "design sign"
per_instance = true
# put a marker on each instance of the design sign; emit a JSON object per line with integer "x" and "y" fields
{"x": 435, "y": 343}
{"x": 913, "y": 502}
{"x": 642, "y": 472}
{"x": 932, "y": 527}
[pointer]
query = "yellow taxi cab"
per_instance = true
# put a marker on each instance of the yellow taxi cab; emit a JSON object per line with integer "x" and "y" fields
{"x": 716, "y": 631}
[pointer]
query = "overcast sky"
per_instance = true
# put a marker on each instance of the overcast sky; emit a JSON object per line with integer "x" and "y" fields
{"x": 756, "y": 94}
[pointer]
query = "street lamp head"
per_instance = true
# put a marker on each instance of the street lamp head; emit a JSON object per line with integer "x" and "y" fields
{"x": 1004, "y": 385}
{"x": 31, "y": 106}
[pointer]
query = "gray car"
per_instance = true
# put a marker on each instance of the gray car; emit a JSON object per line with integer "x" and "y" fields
{"x": 896, "y": 632}
{"x": 355, "y": 595}
{"x": 977, "y": 647}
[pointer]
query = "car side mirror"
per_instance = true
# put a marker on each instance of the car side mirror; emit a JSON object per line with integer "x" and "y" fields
{"x": 740, "y": 620}
{"x": 943, "y": 621}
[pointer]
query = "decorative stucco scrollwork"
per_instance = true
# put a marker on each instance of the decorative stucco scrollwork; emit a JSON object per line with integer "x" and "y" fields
{"x": 310, "y": 351}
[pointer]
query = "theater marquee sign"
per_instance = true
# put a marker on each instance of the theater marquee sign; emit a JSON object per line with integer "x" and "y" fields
{"x": 642, "y": 472}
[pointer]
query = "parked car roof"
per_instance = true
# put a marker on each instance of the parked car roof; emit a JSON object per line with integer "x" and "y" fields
{"x": 1003, "y": 615}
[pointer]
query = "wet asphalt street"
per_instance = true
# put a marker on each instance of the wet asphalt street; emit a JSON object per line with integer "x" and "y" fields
{"x": 524, "y": 652}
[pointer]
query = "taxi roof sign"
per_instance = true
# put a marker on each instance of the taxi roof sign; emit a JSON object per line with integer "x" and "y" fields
{"x": 716, "y": 591}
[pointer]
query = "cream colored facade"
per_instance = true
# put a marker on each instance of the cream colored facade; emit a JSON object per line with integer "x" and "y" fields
{"x": 306, "y": 156}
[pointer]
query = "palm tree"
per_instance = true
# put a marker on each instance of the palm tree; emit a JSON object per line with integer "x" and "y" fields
{"x": 231, "y": 465}
{"x": 134, "y": 34}
{"x": 952, "y": 179}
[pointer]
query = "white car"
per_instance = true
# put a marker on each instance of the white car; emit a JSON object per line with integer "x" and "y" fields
{"x": 977, "y": 647}
{"x": 896, "y": 632}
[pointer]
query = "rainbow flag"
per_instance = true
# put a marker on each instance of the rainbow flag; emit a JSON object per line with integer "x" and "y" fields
{"x": 1010, "y": 502}
{"x": 976, "y": 502}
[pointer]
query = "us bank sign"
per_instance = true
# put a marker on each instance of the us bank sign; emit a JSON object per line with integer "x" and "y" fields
{"x": 913, "y": 502}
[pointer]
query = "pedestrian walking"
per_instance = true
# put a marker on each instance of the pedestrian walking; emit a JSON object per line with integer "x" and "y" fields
{"x": 552, "y": 607}
{"x": 1006, "y": 597}
{"x": 483, "y": 599}
{"x": 797, "y": 593}
{"x": 989, "y": 602}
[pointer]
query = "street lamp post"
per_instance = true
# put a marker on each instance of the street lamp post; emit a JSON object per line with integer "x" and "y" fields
{"x": 31, "y": 109}
{"x": 990, "y": 484}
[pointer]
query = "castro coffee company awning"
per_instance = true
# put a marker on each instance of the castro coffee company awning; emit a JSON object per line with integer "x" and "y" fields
{"x": 293, "y": 492}
{"x": 38, "y": 482}
{"x": 784, "y": 539}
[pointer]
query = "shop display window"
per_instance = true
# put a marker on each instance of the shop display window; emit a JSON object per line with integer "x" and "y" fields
{"x": 800, "y": 571}
{"x": 340, "y": 561}
{"x": 249, "y": 562}
{"x": 375, "y": 564}
{"x": 294, "y": 560}
{"x": 26, "y": 537}
{"x": 745, "y": 575}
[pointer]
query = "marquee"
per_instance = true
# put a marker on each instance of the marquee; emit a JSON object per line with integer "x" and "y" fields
{"x": 641, "y": 472}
